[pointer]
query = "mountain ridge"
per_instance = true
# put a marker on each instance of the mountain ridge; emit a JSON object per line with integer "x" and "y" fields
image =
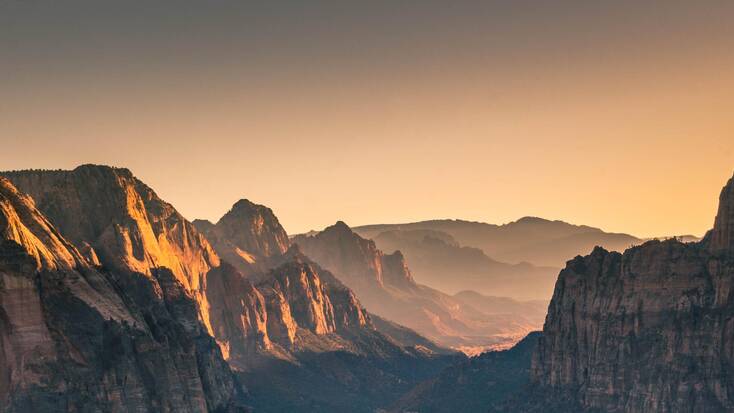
{"x": 386, "y": 286}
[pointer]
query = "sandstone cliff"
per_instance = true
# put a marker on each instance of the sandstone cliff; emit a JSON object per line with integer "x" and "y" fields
{"x": 649, "y": 330}
{"x": 77, "y": 338}
{"x": 121, "y": 223}
{"x": 280, "y": 312}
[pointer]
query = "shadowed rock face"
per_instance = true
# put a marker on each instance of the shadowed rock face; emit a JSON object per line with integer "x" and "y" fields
{"x": 76, "y": 338}
{"x": 648, "y": 330}
{"x": 247, "y": 236}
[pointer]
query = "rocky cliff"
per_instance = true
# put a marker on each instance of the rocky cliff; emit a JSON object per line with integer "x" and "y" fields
{"x": 118, "y": 221}
{"x": 78, "y": 338}
{"x": 649, "y": 330}
{"x": 280, "y": 312}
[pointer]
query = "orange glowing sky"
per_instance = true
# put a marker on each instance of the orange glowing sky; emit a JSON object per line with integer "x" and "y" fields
{"x": 616, "y": 115}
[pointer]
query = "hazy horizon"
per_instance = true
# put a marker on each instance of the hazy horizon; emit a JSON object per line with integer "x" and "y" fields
{"x": 611, "y": 115}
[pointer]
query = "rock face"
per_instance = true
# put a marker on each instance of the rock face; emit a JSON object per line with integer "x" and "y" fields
{"x": 119, "y": 221}
{"x": 78, "y": 338}
{"x": 280, "y": 311}
{"x": 648, "y": 330}
{"x": 247, "y": 236}
{"x": 385, "y": 285}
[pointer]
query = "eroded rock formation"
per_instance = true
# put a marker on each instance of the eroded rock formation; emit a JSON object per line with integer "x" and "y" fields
{"x": 651, "y": 329}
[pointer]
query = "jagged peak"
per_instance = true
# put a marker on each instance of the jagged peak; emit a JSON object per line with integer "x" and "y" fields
{"x": 247, "y": 207}
{"x": 340, "y": 227}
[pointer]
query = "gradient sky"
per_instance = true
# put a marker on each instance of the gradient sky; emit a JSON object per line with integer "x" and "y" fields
{"x": 615, "y": 114}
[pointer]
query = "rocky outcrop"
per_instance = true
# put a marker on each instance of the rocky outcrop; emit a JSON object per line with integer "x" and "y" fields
{"x": 722, "y": 236}
{"x": 248, "y": 236}
{"x": 78, "y": 338}
{"x": 385, "y": 285}
{"x": 649, "y": 330}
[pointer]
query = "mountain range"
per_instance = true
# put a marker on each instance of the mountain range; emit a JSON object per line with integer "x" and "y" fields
{"x": 646, "y": 330}
{"x": 531, "y": 240}
{"x": 111, "y": 295}
{"x": 111, "y": 300}
{"x": 386, "y": 286}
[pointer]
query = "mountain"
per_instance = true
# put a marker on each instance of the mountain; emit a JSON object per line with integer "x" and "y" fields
{"x": 647, "y": 330}
{"x": 247, "y": 236}
{"x": 475, "y": 385}
{"x": 308, "y": 344}
{"x": 302, "y": 341}
{"x": 80, "y": 337}
{"x": 386, "y": 287}
{"x": 533, "y": 240}
{"x": 282, "y": 321}
{"x": 116, "y": 220}
{"x": 436, "y": 259}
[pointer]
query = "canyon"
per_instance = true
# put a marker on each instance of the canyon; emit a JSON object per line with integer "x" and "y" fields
{"x": 111, "y": 300}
